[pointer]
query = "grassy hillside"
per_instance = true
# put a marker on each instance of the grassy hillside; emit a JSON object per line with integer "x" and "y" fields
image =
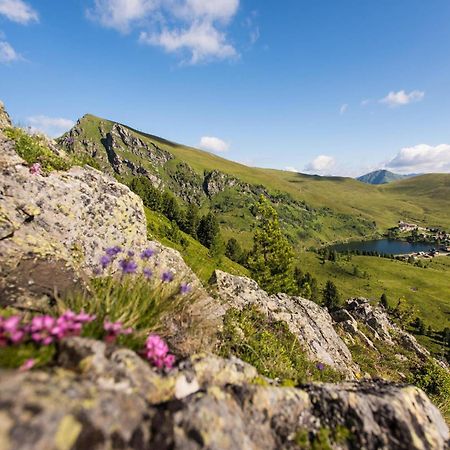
{"x": 333, "y": 208}
{"x": 196, "y": 256}
{"x": 426, "y": 289}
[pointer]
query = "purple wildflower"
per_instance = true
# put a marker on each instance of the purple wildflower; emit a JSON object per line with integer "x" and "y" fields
{"x": 105, "y": 261}
{"x": 113, "y": 251}
{"x": 128, "y": 266}
{"x": 42, "y": 330}
{"x": 147, "y": 253}
{"x": 27, "y": 365}
{"x": 320, "y": 366}
{"x": 167, "y": 276}
{"x": 130, "y": 253}
{"x": 147, "y": 272}
{"x": 114, "y": 330}
{"x": 185, "y": 288}
{"x": 11, "y": 331}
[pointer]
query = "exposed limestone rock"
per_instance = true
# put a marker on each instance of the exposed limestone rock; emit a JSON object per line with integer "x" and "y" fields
{"x": 216, "y": 182}
{"x": 5, "y": 120}
{"x": 109, "y": 398}
{"x": 309, "y": 322}
{"x": 377, "y": 319}
{"x": 121, "y": 137}
{"x": 187, "y": 184}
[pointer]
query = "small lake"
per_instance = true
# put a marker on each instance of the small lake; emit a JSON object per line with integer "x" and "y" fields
{"x": 384, "y": 246}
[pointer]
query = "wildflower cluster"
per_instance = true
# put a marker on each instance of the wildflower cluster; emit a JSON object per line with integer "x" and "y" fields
{"x": 36, "y": 169}
{"x": 157, "y": 352}
{"x": 114, "y": 330}
{"x": 128, "y": 264}
{"x": 43, "y": 330}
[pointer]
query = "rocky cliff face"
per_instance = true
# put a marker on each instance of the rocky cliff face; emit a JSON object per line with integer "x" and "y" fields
{"x": 359, "y": 310}
{"x": 309, "y": 322}
{"x": 102, "y": 398}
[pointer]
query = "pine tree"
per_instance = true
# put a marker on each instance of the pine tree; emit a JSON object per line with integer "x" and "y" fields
{"x": 171, "y": 208}
{"x": 384, "y": 300}
{"x": 331, "y": 296}
{"x": 151, "y": 197}
{"x": 192, "y": 220}
{"x": 233, "y": 250}
{"x": 208, "y": 230}
{"x": 270, "y": 260}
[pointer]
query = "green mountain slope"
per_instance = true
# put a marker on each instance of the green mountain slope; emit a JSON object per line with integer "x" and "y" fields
{"x": 381, "y": 177}
{"x": 313, "y": 210}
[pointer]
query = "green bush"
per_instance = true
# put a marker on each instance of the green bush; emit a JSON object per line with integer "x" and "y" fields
{"x": 33, "y": 149}
{"x": 270, "y": 347}
{"x": 434, "y": 380}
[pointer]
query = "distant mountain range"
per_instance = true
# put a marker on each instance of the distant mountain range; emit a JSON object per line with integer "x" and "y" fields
{"x": 382, "y": 177}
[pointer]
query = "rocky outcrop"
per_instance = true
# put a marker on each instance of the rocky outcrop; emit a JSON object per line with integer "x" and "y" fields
{"x": 102, "y": 398}
{"x": 187, "y": 184}
{"x": 121, "y": 138}
{"x": 54, "y": 230}
{"x": 216, "y": 182}
{"x": 5, "y": 120}
{"x": 309, "y": 322}
{"x": 376, "y": 319}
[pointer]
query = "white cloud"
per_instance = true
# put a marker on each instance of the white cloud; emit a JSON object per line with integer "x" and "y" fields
{"x": 18, "y": 11}
{"x": 322, "y": 164}
{"x": 7, "y": 53}
{"x": 202, "y": 40}
{"x": 401, "y": 98}
{"x": 193, "y": 28}
{"x": 121, "y": 14}
{"x": 365, "y": 102}
{"x": 421, "y": 158}
{"x": 52, "y": 126}
{"x": 343, "y": 109}
{"x": 291, "y": 169}
{"x": 213, "y": 144}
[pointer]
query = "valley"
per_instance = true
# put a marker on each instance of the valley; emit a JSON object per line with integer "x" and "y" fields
{"x": 314, "y": 212}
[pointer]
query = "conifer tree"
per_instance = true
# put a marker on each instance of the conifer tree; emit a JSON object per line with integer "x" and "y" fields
{"x": 208, "y": 230}
{"x": 271, "y": 259}
{"x": 331, "y": 296}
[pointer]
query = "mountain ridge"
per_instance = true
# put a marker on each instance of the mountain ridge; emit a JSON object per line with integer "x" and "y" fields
{"x": 344, "y": 208}
{"x": 383, "y": 176}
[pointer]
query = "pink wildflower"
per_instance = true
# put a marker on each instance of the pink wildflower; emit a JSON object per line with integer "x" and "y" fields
{"x": 36, "y": 169}
{"x": 11, "y": 330}
{"x": 157, "y": 352}
{"x": 27, "y": 365}
{"x": 114, "y": 330}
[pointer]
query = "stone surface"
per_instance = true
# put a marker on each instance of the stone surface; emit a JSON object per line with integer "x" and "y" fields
{"x": 5, "y": 120}
{"x": 309, "y": 322}
{"x": 103, "y": 398}
{"x": 377, "y": 319}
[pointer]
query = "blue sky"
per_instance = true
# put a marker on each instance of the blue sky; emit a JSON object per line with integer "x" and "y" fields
{"x": 325, "y": 86}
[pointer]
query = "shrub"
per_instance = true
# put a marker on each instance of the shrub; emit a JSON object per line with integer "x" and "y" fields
{"x": 33, "y": 149}
{"x": 434, "y": 380}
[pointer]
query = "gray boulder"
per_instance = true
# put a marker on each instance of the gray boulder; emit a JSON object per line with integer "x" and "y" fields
{"x": 312, "y": 324}
{"x": 103, "y": 398}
